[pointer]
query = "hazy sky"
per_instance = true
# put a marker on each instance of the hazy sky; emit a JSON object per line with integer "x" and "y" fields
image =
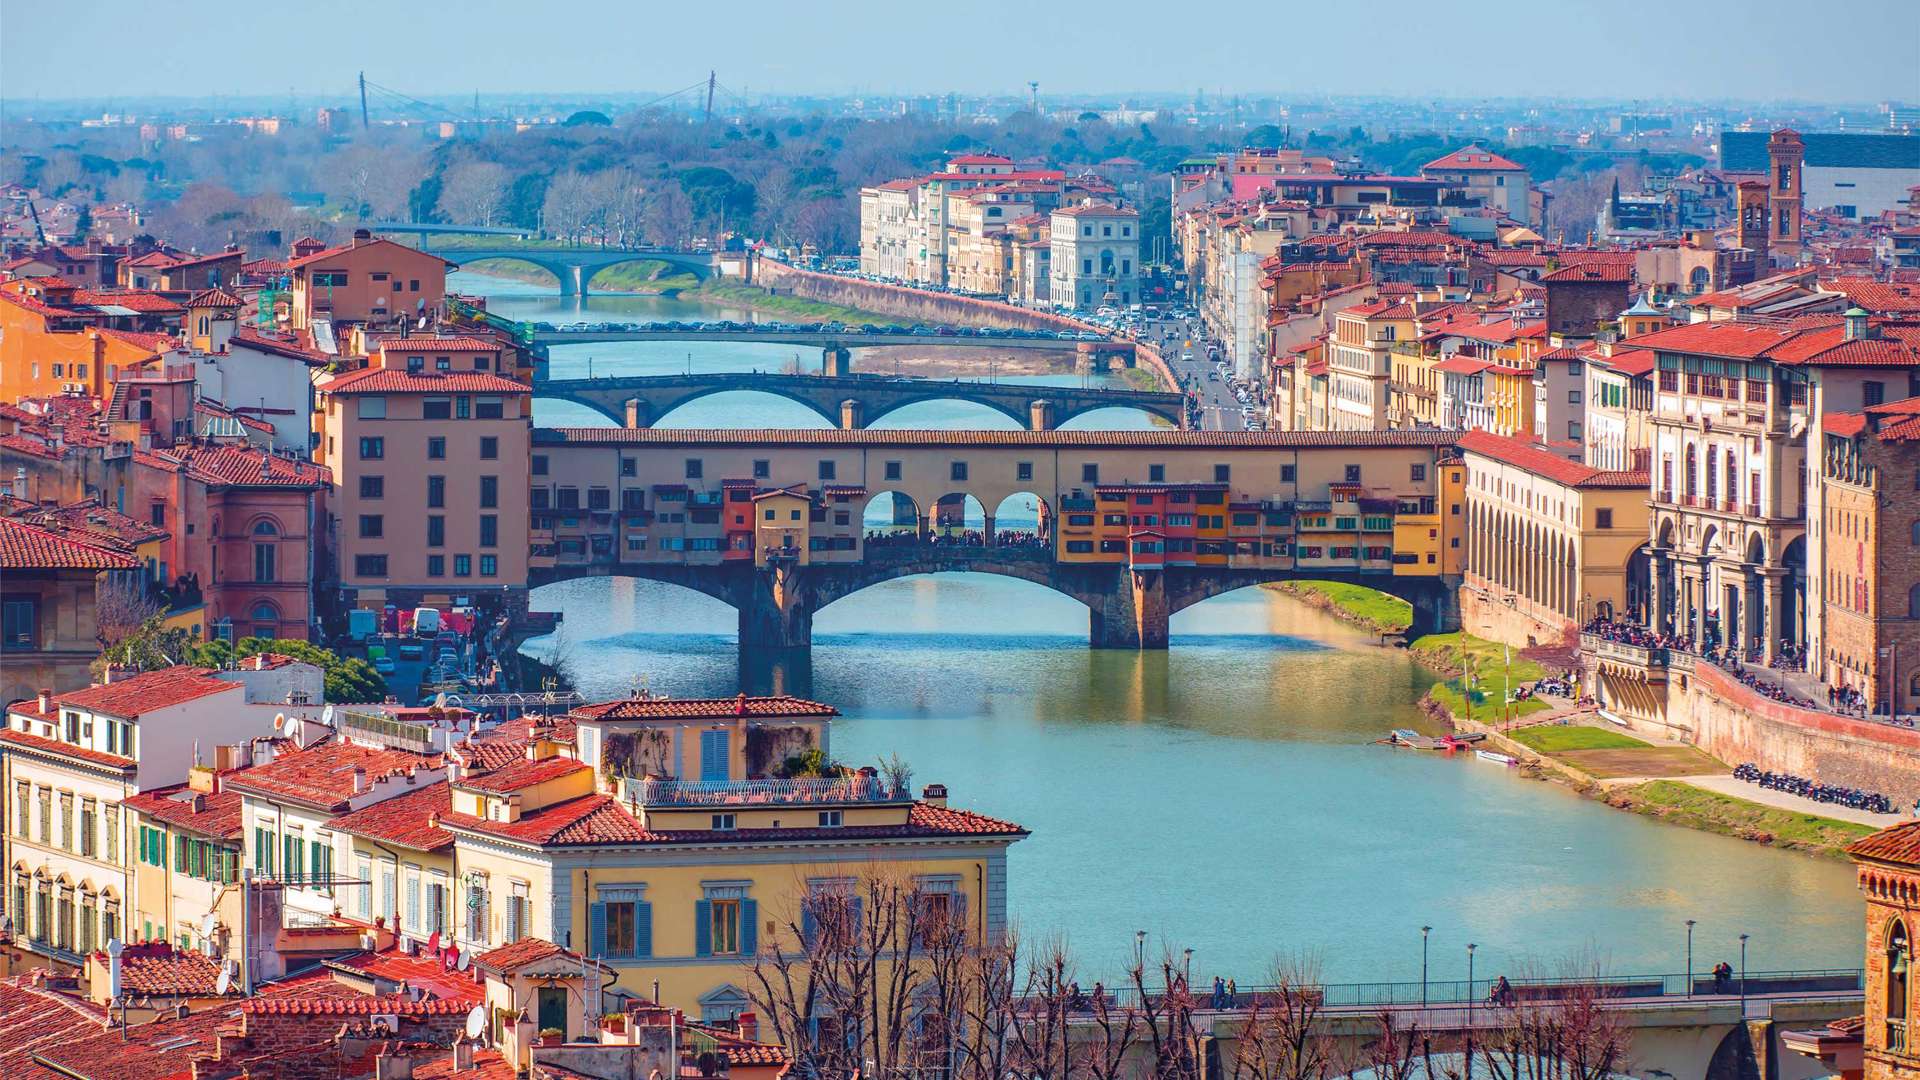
{"x": 1833, "y": 50}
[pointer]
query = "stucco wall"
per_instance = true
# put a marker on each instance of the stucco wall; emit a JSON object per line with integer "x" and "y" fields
{"x": 1484, "y": 615}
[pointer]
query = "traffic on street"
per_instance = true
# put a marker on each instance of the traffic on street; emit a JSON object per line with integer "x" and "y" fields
{"x": 1219, "y": 399}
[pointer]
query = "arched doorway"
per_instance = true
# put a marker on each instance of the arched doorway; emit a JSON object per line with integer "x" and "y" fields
{"x": 1638, "y": 586}
{"x": 1792, "y": 621}
{"x": 958, "y": 517}
{"x": 1023, "y": 518}
{"x": 891, "y": 517}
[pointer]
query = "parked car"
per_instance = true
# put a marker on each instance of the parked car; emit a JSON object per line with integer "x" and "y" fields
{"x": 412, "y": 650}
{"x": 383, "y": 664}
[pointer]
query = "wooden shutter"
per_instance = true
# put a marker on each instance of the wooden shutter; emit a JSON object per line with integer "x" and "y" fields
{"x": 703, "y": 918}
{"x": 642, "y": 929}
{"x": 597, "y": 929}
{"x": 749, "y": 927}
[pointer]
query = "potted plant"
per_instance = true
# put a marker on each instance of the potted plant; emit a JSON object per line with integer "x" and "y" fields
{"x": 551, "y": 1036}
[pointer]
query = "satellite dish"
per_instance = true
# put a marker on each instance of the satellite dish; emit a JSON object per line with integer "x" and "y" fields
{"x": 223, "y": 984}
{"x": 466, "y": 959}
{"x": 208, "y": 924}
{"x": 477, "y": 1022}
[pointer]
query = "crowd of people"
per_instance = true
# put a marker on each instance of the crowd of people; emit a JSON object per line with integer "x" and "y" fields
{"x": 1626, "y": 633}
{"x": 1852, "y": 798}
{"x": 1010, "y": 538}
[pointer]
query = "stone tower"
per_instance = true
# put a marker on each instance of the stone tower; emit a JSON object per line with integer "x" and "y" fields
{"x": 1751, "y": 223}
{"x": 1787, "y": 155}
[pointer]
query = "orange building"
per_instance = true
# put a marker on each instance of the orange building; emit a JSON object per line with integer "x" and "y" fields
{"x": 429, "y": 473}
{"x": 51, "y": 344}
{"x": 366, "y": 281}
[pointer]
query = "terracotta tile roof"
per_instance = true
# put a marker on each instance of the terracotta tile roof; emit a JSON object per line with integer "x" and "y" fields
{"x": 171, "y": 972}
{"x": 521, "y": 774}
{"x": 1846, "y": 425}
{"x": 596, "y": 820}
{"x": 410, "y": 820}
{"x": 1819, "y": 342}
{"x": 1898, "y": 844}
{"x": 322, "y": 776}
{"x": 1462, "y": 365}
{"x": 362, "y": 1005}
{"x": 279, "y": 346}
{"x": 213, "y": 814}
{"x": 95, "y": 524}
{"x": 131, "y": 696}
{"x": 696, "y": 708}
{"x": 395, "y": 381}
{"x": 519, "y": 954}
{"x": 1473, "y": 157}
{"x": 1603, "y": 272}
{"x": 1096, "y": 210}
{"x": 442, "y": 344}
{"x": 140, "y": 300}
{"x": 426, "y": 970}
{"x": 24, "y": 741}
{"x": 25, "y": 546}
{"x": 237, "y": 466}
{"x": 145, "y": 342}
{"x": 1543, "y": 463}
{"x": 34, "y": 1021}
{"x": 487, "y": 1065}
{"x": 871, "y": 437}
{"x": 213, "y": 298}
{"x": 333, "y": 252}
{"x": 1881, "y": 298}
{"x": 162, "y": 1049}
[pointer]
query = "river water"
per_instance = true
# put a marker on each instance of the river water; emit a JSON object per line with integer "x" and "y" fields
{"x": 1226, "y": 795}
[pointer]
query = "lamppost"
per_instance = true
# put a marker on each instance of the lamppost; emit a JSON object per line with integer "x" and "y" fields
{"x": 1470, "y": 1002}
{"x": 1690, "y": 957}
{"x": 1743, "y": 975}
{"x": 1140, "y": 950}
{"x": 1424, "y": 931}
{"x": 1186, "y": 969}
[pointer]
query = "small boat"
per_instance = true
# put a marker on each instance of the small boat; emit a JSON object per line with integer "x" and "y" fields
{"x": 1405, "y": 735}
{"x": 1497, "y": 759}
{"x": 1462, "y": 739}
{"x": 1611, "y": 718}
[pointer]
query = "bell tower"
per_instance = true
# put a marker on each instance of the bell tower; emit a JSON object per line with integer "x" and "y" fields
{"x": 1751, "y": 222}
{"x": 1787, "y": 155}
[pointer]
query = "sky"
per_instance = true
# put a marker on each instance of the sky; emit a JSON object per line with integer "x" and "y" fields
{"x": 1832, "y": 51}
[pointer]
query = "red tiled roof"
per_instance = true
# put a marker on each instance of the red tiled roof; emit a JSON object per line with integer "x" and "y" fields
{"x": 238, "y": 466}
{"x": 1462, "y": 365}
{"x": 1846, "y": 425}
{"x": 395, "y": 381}
{"x": 34, "y": 1021}
{"x": 213, "y": 298}
{"x": 332, "y": 252}
{"x": 699, "y": 708}
{"x": 147, "y": 303}
{"x": 1473, "y": 157}
{"x": 1604, "y": 272}
{"x": 979, "y": 159}
{"x": 54, "y": 746}
{"x": 1897, "y": 844}
{"x": 486, "y": 1065}
{"x": 521, "y": 775}
{"x": 147, "y": 342}
{"x": 519, "y": 954}
{"x": 217, "y": 814}
{"x": 131, "y": 696}
{"x": 1880, "y": 298}
{"x": 364, "y": 1005}
{"x": 424, "y": 970}
{"x": 595, "y": 820}
{"x": 322, "y": 776}
{"x": 1524, "y": 455}
{"x": 1096, "y": 210}
{"x": 163, "y": 1049}
{"x": 25, "y": 546}
{"x": 173, "y": 973}
{"x": 409, "y": 820}
{"x": 441, "y": 344}
{"x": 1631, "y": 361}
{"x": 1821, "y": 342}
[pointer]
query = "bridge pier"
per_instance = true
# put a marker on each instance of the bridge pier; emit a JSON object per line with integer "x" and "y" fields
{"x": 639, "y": 413}
{"x": 778, "y": 613}
{"x": 1133, "y": 614}
{"x": 573, "y": 280}
{"x": 1040, "y": 416}
{"x": 1436, "y": 607}
{"x": 853, "y": 415}
{"x": 836, "y": 361}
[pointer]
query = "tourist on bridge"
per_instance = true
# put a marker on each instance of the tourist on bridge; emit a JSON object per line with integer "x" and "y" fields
{"x": 1501, "y": 993}
{"x": 1219, "y": 992}
{"x": 1723, "y": 978}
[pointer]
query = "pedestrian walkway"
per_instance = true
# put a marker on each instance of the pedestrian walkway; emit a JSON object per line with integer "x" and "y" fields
{"x": 1740, "y": 789}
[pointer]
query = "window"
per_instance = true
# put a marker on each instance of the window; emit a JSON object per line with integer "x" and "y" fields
{"x": 830, "y": 819}
{"x": 372, "y": 526}
{"x": 539, "y": 464}
{"x": 370, "y": 565}
{"x": 489, "y": 408}
{"x": 1603, "y": 518}
{"x": 490, "y": 529}
{"x": 436, "y": 409}
{"x": 1286, "y": 474}
{"x": 1221, "y": 473}
{"x": 490, "y": 493}
{"x": 463, "y": 566}
{"x": 893, "y": 470}
{"x": 724, "y": 822}
{"x": 957, "y": 470}
{"x": 265, "y": 559}
{"x": 1353, "y": 474}
{"x": 489, "y": 566}
{"x": 19, "y": 623}
{"x": 436, "y": 566}
{"x": 1873, "y": 393}
{"x": 622, "y": 927}
{"x": 489, "y": 447}
{"x": 436, "y": 491}
{"x": 437, "y": 451}
{"x": 1090, "y": 472}
{"x": 826, "y": 470}
{"x": 1023, "y": 470}
{"x": 371, "y": 487}
{"x": 436, "y": 530}
{"x": 694, "y": 468}
{"x": 372, "y": 448}
{"x": 1156, "y": 474}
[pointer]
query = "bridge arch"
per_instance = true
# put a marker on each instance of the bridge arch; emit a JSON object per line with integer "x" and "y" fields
{"x": 1065, "y": 417}
{"x": 948, "y": 392}
{"x": 558, "y": 273}
{"x": 672, "y": 267}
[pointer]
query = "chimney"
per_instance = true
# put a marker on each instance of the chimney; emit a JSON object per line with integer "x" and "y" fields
{"x": 46, "y": 701}
{"x": 462, "y": 1055}
{"x": 749, "y": 1027}
{"x": 361, "y": 236}
{"x": 260, "y": 659}
{"x": 934, "y": 794}
{"x": 359, "y": 780}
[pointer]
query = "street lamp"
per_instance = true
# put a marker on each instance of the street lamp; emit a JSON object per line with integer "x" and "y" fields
{"x": 1743, "y": 975}
{"x": 1186, "y": 970}
{"x": 1424, "y": 931}
{"x": 1689, "y": 990}
{"x": 1470, "y": 1002}
{"x": 1140, "y": 949}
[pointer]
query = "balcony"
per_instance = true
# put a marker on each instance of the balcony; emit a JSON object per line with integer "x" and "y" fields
{"x": 831, "y": 791}
{"x": 1896, "y": 1036}
{"x": 1621, "y": 652}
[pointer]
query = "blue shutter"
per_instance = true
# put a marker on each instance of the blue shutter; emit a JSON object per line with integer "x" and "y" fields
{"x": 809, "y": 926}
{"x": 642, "y": 929}
{"x": 749, "y": 927}
{"x": 703, "y": 928}
{"x": 713, "y": 755}
{"x": 597, "y": 929}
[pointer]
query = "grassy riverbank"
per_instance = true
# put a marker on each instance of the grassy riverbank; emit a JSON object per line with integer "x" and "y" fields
{"x": 1357, "y": 604}
{"x": 1683, "y": 804}
{"x": 1492, "y": 675}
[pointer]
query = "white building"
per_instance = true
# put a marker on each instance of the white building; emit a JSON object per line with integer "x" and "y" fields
{"x": 1096, "y": 257}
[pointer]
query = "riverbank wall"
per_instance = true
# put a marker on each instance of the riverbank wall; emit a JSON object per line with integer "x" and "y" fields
{"x": 1697, "y": 703}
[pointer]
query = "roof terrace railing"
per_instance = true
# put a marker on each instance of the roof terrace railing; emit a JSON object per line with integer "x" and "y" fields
{"x": 831, "y": 790}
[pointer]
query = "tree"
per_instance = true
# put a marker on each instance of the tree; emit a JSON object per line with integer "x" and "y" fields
{"x": 471, "y": 192}
{"x": 1569, "y": 1034}
{"x": 668, "y": 216}
{"x": 1265, "y": 137}
{"x": 1279, "y": 1040}
{"x": 587, "y": 117}
{"x": 122, "y": 608}
{"x": 348, "y": 678}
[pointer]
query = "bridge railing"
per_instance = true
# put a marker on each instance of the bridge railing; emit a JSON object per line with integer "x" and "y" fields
{"x": 1414, "y": 994}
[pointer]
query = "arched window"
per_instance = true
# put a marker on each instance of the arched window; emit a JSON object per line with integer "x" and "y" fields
{"x": 1699, "y": 279}
{"x": 1916, "y": 534}
{"x": 1899, "y": 963}
{"x": 266, "y": 620}
{"x": 265, "y": 528}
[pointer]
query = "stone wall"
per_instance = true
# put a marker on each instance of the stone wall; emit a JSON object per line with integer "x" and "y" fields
{"x": 906, "y": 302}
{"x": 1485, "y": 615}
{"x": 1721, "y": 716}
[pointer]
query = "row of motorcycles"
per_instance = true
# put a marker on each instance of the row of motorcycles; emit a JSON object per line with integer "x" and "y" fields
{"x": 1852, "y": 798}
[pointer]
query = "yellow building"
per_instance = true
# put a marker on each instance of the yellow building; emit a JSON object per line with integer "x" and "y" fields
{"x": 1429, "y": 531}
{"x": 187, "y": 860}
{"x": 1509, "y": 399}
{"x": 666, "y": 837}
{"x": 781, "y": 518}
{"x": 1414, "y": 389}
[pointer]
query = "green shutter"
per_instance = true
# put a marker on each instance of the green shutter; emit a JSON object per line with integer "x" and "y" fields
{"x": 597, "y": 929}
{"x": 749, "y": 927}
{"x": 703, "y": 928}
{"x": 642, "y": 928}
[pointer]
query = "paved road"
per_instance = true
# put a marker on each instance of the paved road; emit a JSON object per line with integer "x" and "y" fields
{"x": 1219, "y": 410}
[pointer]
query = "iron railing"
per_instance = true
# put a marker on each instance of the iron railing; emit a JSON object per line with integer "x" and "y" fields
{"x": 827, "y": 791}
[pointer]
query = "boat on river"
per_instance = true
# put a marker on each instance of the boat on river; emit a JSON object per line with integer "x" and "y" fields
{"x": 1496, "y": 758}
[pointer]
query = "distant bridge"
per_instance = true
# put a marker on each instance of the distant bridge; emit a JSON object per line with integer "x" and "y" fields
{"x": 572, "y": 267}
{"x": 852, "y": 401}
{"x": 843, "y": 339}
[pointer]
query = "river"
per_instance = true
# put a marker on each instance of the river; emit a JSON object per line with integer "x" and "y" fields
{"x": 1226, "y": 795}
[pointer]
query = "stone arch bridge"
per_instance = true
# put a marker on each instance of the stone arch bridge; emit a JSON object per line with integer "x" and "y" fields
{"x": 1127, "y": 609}
{"x": 574, "y": 267}
{"x": 852, "y": 401}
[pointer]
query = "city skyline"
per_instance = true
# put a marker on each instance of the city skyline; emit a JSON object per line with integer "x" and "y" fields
{"x": 790, "y": 52}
